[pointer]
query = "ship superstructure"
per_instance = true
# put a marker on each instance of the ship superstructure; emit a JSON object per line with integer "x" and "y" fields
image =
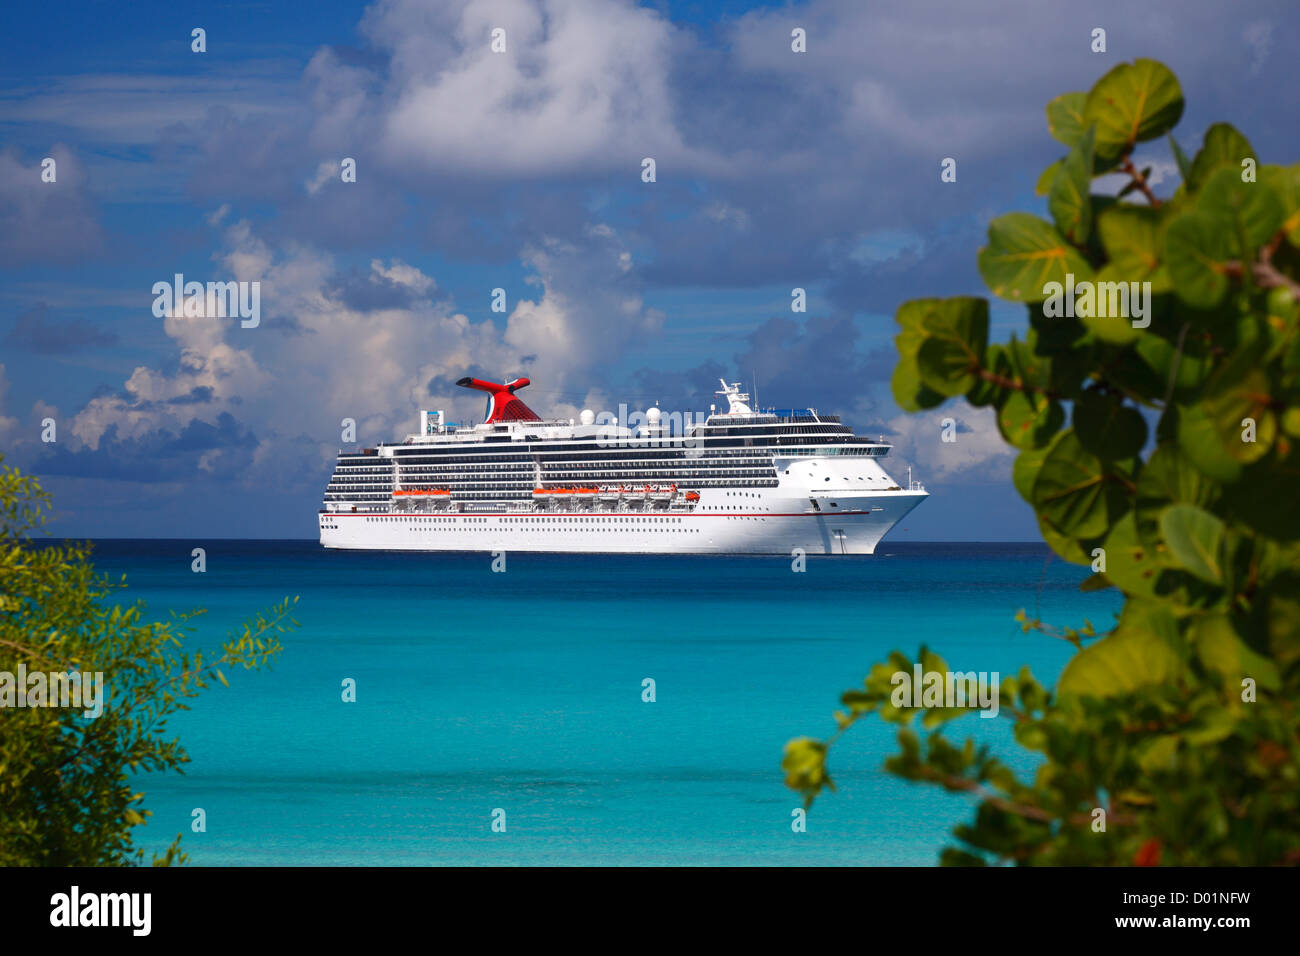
{"x": 743, "y": 481}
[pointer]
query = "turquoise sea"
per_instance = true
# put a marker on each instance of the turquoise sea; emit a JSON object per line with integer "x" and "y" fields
{"x": 522, "y": 691}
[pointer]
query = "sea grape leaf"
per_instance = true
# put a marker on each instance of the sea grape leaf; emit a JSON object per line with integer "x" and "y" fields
{"x": 1065, "y": 117}
{"x": 1070, "y": 200}
{"x": 1285, "y": 183}
{"x": 1046, "y": 178}
{"x": 956, "y": 336}
{"x": 1029, "y": 419}
{"x": 1107, "y": 427}
{"x": 1198, "y": 250}
{"x": 1132, "y": 238}
{"x": 1075, "y": 490}
{"x": 1198, "y": 438}
{"x": 1134, "y": 655}
{"x": 1223, "y": 146}
{"x": 1220, "y": 648}
{"x": 1250, "y": 212}
{"x": 1131, "y": 564}
{"x": 908, "y": 390}
{"x": 1133, "y": 103}
{"x": 1194, "y": 538}
{"x": 1024, "y": 254}
{"x": 1024, "y": 471}
{"x": 1113, "y": 310}
{"x": 1168, "y": 478}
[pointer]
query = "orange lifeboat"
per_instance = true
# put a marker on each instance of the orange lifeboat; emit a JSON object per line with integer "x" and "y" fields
{"x": 692, "y": 496}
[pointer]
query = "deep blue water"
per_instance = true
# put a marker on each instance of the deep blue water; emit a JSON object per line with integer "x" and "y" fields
{"x": 522, "y": 691}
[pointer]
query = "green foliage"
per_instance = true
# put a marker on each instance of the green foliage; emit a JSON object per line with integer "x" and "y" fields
{"x": 1180, "y": 721}
{"x": 68, "y": 783}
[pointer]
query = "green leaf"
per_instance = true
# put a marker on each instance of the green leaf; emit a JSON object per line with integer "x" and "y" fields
{"x": 1131, "y": 236}
{"x": 1109, "y": 308}
{"x": 947, "y": 365}
{"x": 905, "y": 384}
{"x": 1131, "y": 657}
{"x": 1132, "y": 565}
{"x": 1063, "y": 544}
{"x": 1107, "y": 427}
{"x": 1231, "y": 402}
{"x": 1029, "y": 420}
{"x": 1046, "y": 177}
{"x": 1075, "y": 491}
{"x": 1198, "y": 438}
{"x": 1025, "y": 470}
{"x": 1249, "y": 212}
{"x": 1223, "y": 146}
{"x": 1133, "y": 103}
{"x": 1167, "y": 478}
{"x": 1285, "y": 183}
{"x": 1195, "y": 541}
{"x": 1070, "y": 201}
{"x": 956, "y": 336}
{"x": 1065, "y": 118}
{"x": 1222, "y": 651}
{"x": 908, "y": 391}
{"x": 1024, "y": 254}
{"x": 804, "y": 764}
{"x": 1197, "y": 251}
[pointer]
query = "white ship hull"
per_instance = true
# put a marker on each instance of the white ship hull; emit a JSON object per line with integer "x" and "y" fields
{"x": 772, "y": 524}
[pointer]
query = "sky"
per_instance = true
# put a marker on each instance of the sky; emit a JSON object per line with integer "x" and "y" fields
{"x": 522, "y": 170}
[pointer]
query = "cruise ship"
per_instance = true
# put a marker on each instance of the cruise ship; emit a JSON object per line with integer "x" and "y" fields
{"x": 743, "y": 481}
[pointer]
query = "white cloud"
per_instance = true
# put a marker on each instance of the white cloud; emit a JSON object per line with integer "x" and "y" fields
{"x": 331, "y": 360}
{"x": 979, "y": 452}
{"x": 583, "y": 84}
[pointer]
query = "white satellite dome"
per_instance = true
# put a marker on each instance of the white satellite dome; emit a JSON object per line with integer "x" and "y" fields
{"x": 588, "y": 417}
{"x": 652, "y": 415}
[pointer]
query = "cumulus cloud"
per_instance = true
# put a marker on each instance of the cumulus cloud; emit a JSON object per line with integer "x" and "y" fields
{"x": 581, "y": 84}
{"x": 978, "y": 453}
{"x": 237, "y": 395}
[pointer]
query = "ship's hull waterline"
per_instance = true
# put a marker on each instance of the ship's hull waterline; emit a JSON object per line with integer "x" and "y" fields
{"x": 844, "y": 531}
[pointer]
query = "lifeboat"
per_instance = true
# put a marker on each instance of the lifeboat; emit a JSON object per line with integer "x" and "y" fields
{"x": 610, "y": 493}
{"x": 584, "y": 492}
{"x": 541, "y": 493}
{"x": 692, "y": 496}
{"x": 419, "y": 493}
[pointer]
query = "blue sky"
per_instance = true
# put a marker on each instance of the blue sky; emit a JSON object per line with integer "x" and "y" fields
{"x": 522, "y": 170}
